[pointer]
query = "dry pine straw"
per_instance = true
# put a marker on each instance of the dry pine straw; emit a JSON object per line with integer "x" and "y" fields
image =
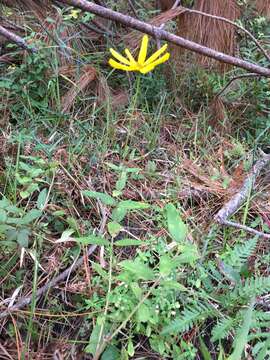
{"x": 209, "y": 32}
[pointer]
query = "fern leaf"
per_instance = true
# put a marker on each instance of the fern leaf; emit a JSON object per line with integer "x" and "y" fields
{"x": 239, "y": 255}
{"x": 264, "y": 350}
{"x": 261, "y": 315}
{"x": 255, "y": 287}
{"x": 190, "y": 316}
{"x": 222, "y": 329}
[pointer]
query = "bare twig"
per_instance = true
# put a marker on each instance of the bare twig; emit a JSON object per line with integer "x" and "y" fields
{"x": 247, "y": 75}
{"x": 246, "y": 228}
{"x": 165, "y": 35}
{"x": 239, "y": 198}
{"x": 16, "y": 39}
{"x": 27, "y": 300}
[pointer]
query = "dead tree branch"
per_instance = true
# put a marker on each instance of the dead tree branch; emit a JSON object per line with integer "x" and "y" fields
{"x": 165, "y": 35}
{"x": 16, "y": 39}
{"x": 239, "y": 198}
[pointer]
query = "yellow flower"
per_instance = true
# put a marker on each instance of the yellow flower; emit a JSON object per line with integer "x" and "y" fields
{"x": 142, "y": 65}
{"x": 74, "y": 14}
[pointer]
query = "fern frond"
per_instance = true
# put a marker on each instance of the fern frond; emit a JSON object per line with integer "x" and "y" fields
{"x": 261, "y": 350}
{"x": 222, "y": 329}
{"x": 189, "y": 317}
{"x": 239, "y": 255}
{"x": 261, "y": 315}
{"x": 254, "y": 287}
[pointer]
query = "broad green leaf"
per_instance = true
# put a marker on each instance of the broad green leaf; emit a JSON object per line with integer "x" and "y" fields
{"x": 23, "y": 238}
{"x": 4, "y": 202}
{"x": 29, "y": 190}
{"x": 3, "y": 216}
{"x": 111, "y": 353}
{"x": 92, "y": 240}
{"x": 137, "y": 291}
{"x": 121, "y": 182}
{"x": 42, "y": 198}
{"x": 35, "y": 172}
{"x": 130, "y": 348}
{"x": 13, "y": 209}
{"x": 11, "y": 234}
{"x": 4, "y": 228}
{"x": 98, "y": 269}
{"x": 104, "y": 198}
{"x": 132, "y": 205}
{"x": 25, "y": 166}
{"x": 94, "y": 339}
{"x": 137, "y": 268}
{"x": 31, "y": 216}
{"x": 118, "y": 214}
{"x": 114, "y": 228}
{"x": 166, "y": 265}
{"x": 143, "y": 313}
{"x": 23, "y": 180}
{"x": 128, "y": 242}
{"x": 189, "y": 254}
{"x": 173, "y": 285}
{"x": 66, "y": 236}
{"x": 230, "y": 272}
{"x": 176, "y": 226}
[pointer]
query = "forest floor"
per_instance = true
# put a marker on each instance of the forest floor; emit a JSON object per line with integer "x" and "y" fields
{"x": 118, "y": 177}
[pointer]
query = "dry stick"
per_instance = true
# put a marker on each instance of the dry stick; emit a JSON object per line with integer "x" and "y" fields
{"x": 247, "y": 75}
{"x": 165, "y": 35}
{"x": 27, "y": 300}
{"x": 239, "y": 198}
{"x": 16, "y": 39}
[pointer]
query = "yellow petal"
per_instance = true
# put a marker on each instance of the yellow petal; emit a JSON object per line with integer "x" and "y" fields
{"x": 147, "y": 69}
{"x": 119, "y": 57}
{"x": 130, "y": 57}
{"x": 119, "y": 66}
{"x": 143, "y": 50}
{"x": 151, "y": 66}
{"x": 156, "y": 54}
{"x": 160, "y": 60}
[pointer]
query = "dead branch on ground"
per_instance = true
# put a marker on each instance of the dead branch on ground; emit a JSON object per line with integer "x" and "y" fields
{"x": 16, "y": 39}
{"x": 239, "y": 198}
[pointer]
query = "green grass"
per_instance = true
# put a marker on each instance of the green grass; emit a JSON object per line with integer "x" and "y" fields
{"x": 165, "y": 281}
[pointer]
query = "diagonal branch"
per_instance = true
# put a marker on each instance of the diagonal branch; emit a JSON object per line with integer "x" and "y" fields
{"x": 165, "y": 35}
{"x": 15, "y": 39}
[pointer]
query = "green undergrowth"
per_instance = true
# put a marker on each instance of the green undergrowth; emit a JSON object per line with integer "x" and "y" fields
{"x": 141, "y": 182}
